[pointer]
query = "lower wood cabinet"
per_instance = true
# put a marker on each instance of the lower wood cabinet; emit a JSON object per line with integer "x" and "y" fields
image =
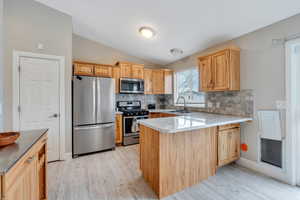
{"x": 27, "y": 179}
{"x": 119, "y": 129}
{"x": 160, "y": 115}
{"x": 228, "y": 144}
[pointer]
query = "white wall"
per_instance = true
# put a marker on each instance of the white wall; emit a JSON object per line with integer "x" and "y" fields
{"x": 91, "y": 51}
{"x": 1, "y": 64}
{"x": 262, "y": 69}
{"x": 27, "y": 23}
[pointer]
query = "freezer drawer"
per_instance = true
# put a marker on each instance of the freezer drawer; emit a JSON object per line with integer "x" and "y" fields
{"x": 88, "y": 139}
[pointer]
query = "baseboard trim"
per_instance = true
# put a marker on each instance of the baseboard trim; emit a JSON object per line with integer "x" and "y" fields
{"x": 266, "y": 169}
{"x": 68, "y": 156}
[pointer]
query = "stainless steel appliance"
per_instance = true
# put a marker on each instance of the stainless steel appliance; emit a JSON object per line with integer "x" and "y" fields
{"x": 132, "y": 112}
{"x": 131, "y": 86}
{"x": 93, "y": 114}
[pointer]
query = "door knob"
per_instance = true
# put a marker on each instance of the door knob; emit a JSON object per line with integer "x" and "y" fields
{"x": 54, "y": 116}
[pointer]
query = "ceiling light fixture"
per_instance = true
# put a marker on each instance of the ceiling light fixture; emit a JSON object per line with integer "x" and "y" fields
{"x": 147, "y": 32}
{"x": 176, "y": 51}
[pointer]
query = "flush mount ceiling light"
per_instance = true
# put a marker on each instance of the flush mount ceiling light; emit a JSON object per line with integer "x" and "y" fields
{"x": 176, "y": 51}
{"x": 147, "y": 32}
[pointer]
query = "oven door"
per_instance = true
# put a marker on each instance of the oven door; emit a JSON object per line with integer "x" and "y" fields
{"x": 131, "y": 86}
{"x": 131, "y": 126}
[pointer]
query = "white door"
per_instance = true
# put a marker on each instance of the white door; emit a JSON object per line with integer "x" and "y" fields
{"x": 39, "y": 99}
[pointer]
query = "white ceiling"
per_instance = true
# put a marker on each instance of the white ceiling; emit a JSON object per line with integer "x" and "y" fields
{"x": 191, "y": 25}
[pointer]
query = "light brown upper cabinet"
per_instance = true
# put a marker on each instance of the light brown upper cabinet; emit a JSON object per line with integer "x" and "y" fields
{"x": 162, "y": 81}
{"x": 103, "y": 71}
{"x": 126, "y": 70}
{"x": 158, "y": 81}
{"x": 83, "y": 69}
{"x": 168, "y": 81}
{"x": 116, "y": 76}
{"x": 148, "y": 81}
{"x": 137, "y": 71}
{"x": 92, "y": 69}
{"x": 131, "y": 70}
{"x": 220, "y": 71}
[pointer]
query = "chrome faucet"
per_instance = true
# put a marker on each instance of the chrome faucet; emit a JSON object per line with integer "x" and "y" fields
{"x": 184, "y": 102}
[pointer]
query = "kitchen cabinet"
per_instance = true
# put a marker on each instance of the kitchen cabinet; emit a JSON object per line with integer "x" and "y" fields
{"x": 162, "y": 81}
{"x": 126, "y": 69}
{"x": 103, "y": 71}
{"x": 92, "y": 69}
{"x": 27, "y": 179}
{"x": 160, "y": 115}
{"x": 168, "y": 81}
{"x": 119, "y": 129}
{"x": 137, "y": 71}
{"x": 228, "y": 144}
{"x": 131, "y": 70}
{"x": 83, "y": 69}
{"x": 158, "y": 81}
{"x": 148, "y": 81}
{"x": 220, "y": 71}
{"x": 116, "y": 76}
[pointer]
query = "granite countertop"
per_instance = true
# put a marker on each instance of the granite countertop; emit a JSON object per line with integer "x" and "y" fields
{"x": 9, "y": 155}
{"x": 190, "y": 121}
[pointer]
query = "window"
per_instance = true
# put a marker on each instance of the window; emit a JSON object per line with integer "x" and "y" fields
{"x": 187, "y": 85}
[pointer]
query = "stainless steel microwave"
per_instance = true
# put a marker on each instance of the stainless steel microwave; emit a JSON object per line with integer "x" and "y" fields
{"x": 131, "y": 86}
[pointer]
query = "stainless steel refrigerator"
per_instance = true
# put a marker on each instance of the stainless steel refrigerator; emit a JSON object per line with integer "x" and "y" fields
{"x": 93, "y": 114}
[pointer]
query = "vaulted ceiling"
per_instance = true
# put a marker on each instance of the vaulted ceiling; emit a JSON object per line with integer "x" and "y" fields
{"x": 190, "y": 25}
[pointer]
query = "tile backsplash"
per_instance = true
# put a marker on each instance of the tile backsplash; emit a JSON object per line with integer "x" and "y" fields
{"x": 239, "y": 103}
{"x": 160, "y": 100}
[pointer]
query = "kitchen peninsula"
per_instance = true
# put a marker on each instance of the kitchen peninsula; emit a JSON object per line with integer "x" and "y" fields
{"x": 178, "y": 152}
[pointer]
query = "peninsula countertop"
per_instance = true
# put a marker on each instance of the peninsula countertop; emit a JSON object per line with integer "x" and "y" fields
{"x": 190, "y": 121}
{"x": 9, "y": 155}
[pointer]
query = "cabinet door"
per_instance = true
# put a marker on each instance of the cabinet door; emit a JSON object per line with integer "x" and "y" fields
{"x": 168, "y": 81}
{"x": 206, "y": 74}
{"x": 220, "y": 63}
{"x": 25, "y": 186}
{"x": 116, "y": 76}
{"x": 83, "y": 69}
{"x": 126, "y": 70}
{"x": 155, "y": 115}
{"x": 158, "y": 81}
{"x": 148, "y": 81}
{"x": 167, "y": 115}
{"x": 228, "y": 146}
{"x": 119, "y": 129}
{"x": 103, "y": 71}
{"x": 137, "y": 71}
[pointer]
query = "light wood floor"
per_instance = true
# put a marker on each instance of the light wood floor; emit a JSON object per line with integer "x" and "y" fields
{"x": 115, "y": 175}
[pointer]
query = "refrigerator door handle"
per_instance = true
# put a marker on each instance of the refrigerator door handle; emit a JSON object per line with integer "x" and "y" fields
{"x": 94, "y": 126}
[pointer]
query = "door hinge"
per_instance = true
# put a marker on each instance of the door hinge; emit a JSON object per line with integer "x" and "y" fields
{"x": 19, "y": 109}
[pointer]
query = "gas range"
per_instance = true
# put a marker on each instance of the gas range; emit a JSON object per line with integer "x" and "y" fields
{"x": 138, "y": 112}
{"x": 132, "y": 112}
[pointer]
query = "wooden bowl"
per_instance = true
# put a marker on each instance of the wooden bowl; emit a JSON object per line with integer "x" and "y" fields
{"x": 8, "y": 138}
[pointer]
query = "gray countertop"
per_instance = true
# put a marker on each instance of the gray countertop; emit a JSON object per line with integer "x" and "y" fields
{"x": 190, "y": 121}
{"x": 9, "y": 155}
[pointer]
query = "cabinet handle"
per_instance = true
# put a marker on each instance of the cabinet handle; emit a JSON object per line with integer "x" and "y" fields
{"x": 29, "y": 160}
